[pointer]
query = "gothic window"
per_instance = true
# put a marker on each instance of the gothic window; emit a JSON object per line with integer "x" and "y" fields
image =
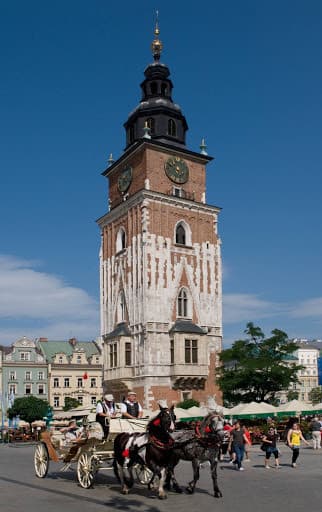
{"x": 120, "y": 240}
{"x": 154, "y": 88}
{"x": 172, "y": 128}
{"x": 180, "y": 235}
{"x": 151, "y": 124}
{"x": 183, "y": 303}
{"x": 164, "y": 89}
{"x": 191, "y": 351}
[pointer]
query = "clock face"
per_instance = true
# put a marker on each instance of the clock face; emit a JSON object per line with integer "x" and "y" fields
{"x": 124, "y": 180}
{"x": 176, "y": 169}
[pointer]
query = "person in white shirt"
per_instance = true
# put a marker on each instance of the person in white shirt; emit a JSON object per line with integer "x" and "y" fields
{"x": 105, "y": 410}
{"x": 131, "y": 408}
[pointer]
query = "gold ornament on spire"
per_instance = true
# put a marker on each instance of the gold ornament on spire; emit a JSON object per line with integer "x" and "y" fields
{"x": 156, "y": 45}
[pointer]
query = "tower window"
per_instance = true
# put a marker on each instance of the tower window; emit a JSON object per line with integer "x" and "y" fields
{"x": 128, "y": 354}
{"x": 164, "y": 89}
{"x": 154, "y": 88}
{"x": 180, "y": 235}
{"x": 131, "y": 134}
{"x": 183, "y": 303}
{"x": 120, "y": 240}
{"x": 151, "y": 124}
{"x": 172, "y": 128}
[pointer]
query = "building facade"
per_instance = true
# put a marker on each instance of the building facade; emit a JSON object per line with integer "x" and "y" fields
{"x": 74, "y": 371}
{"x": 160, "y": 257}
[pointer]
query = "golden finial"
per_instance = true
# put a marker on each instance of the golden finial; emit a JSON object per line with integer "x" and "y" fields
{"x": 156, "y": 45}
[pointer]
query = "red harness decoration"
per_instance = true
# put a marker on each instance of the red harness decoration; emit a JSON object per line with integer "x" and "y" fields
{"x": 125, "y": 453}
{"x": 159, "y": 444}
{"x": 157, "y": 422}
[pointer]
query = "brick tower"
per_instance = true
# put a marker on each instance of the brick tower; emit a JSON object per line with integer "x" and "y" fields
{"x": 160, "y": 262}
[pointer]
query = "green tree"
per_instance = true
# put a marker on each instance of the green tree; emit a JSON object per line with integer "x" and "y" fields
{"x": 189, "y": 402}
{"x": 315, "y": 395}
{"x": 256, "y": 368}
{"x": 29, "y": 409}
{"x": 70, "y": 403}
{"x": 292, "y": 395}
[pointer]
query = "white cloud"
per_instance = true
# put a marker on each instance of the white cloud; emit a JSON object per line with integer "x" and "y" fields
{"x": 308, "y": 308}
{"x": 29, "y": 296}
{"x": 239, "y": 307}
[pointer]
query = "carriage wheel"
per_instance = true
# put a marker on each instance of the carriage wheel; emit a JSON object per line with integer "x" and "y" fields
{"x": 86, "y": 470}
{"x": 143, "y": 474}
{"x": 41, "y": 460}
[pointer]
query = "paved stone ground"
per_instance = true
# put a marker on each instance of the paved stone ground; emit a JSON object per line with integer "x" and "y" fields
{"x": 266, "y": 490}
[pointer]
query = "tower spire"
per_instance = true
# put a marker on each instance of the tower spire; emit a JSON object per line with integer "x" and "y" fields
{"x": 156, "y": 45}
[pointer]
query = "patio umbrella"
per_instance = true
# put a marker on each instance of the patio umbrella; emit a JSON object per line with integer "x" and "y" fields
{"x": 294, "y": 408}
{"x": 252, "y": 410}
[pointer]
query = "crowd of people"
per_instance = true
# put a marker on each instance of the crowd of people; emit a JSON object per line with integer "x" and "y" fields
{"x": 237, "y": 440}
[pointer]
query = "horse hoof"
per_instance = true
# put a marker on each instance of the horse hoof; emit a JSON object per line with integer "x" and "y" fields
{"x": 125, "y": 491}
{"x": 218, "y": 494}
{"x": 162, "y": 496}
{"x": 189, "y": 490}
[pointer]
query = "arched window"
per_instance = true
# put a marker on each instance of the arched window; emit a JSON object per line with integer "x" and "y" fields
{"x": 154, "y": 88}
{"x": 120, "y": 240}
{"x": 172, "y": 128}
{"x": 182, "y": 303}
{"x": 164, "y": 89}
{"x": 151, "y": 124}
{"x": 180, "y": 235}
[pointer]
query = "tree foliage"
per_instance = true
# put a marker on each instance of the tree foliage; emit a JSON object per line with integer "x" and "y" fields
{"x": 29, "y": 409}
{"x": 315, "y": 395}
{"x": 70, "y": 403}
{"x": 256, "y": 368}
{"x": 189, "y": 402}
{"x": 292, "y": 395}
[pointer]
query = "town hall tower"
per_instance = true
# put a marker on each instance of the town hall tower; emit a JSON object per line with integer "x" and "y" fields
{"x": 160, "y": 261}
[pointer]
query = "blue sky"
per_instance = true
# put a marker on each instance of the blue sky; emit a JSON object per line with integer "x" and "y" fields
{"x": 248, "y": 77}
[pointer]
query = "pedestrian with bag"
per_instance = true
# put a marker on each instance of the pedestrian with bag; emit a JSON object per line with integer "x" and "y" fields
{"x": 270, "y": 447}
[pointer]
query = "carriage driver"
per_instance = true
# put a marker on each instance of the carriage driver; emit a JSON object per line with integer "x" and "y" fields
{"x": 104, "y": 411}
{"x": 131, "y": 408}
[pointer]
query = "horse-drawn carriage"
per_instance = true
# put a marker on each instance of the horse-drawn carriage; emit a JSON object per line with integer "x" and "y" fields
{"x": 141, "y": 448}
{"x": 89, "y": 454}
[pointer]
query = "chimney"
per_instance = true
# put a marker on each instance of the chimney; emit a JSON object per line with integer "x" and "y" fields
{"x": 43, "y": 339}
{"x": 73, "y": 342}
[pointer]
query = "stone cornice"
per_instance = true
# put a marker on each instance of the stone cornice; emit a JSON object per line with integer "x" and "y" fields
{"x": 138, "y": 198}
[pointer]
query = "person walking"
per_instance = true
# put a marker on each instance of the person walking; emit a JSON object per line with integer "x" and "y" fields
{"x": 247, "y": 434}
{"x": 294, "y": 437}
{"x": 239, "y": 440}
{"x": 315, "y": 428}
{"x": 269, "y": 444}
